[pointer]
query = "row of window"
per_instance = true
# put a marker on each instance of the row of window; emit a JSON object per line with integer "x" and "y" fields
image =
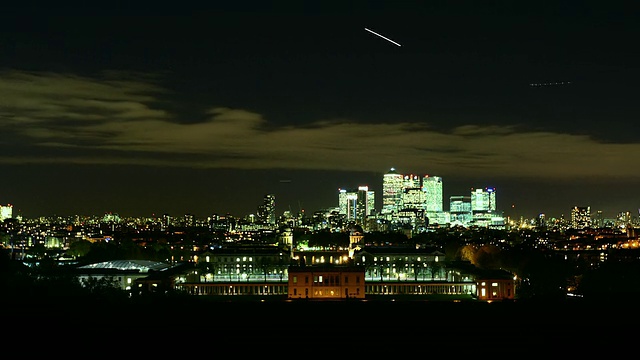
{"x": 322, "y": 280}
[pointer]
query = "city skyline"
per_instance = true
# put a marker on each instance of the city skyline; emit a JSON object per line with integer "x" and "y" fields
{"x": 148, "y": 111}
{"x": 270, "y": 200}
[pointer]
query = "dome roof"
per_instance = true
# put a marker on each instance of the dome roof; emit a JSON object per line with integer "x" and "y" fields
{"x": 122, "y": 265}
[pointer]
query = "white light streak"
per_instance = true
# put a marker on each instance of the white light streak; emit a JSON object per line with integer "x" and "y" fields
{"x": 389, "y": 40}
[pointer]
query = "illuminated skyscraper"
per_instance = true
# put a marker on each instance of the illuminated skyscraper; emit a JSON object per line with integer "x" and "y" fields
{"x": 598, "y": 219}
{"x": 347, "y": 203}
{"x": 366, "y": 204}
{"x": 267, "y": 210}
{"x": 413, "y": 198}
{"x": 581, "y": 217}
{"x": 410, "y": 182}
{"x": 432, "y": 187}
{"x": 6, "y": 212}
{"x": 460, "y": 210}
{"x": 483, "y": 206}
{"x": 392, "y": 190}
{"x": 483, "y": 200}
{"x": 356, "y": 205}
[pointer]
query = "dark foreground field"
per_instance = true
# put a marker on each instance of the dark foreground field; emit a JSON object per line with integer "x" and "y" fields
{"x": 367, "y": 325}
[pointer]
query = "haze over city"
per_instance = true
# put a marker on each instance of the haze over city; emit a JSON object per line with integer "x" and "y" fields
{"x": 142, "y": 112}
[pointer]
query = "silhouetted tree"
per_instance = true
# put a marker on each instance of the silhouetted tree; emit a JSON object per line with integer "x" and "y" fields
{"x": 487, "y": 257}
{"x": 611, "y": 280}
{"x": 79, "y": 248}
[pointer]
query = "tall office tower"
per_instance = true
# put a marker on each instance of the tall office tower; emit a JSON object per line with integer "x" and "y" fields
{"x": 483, "y": 206}
{"x": 392, "y": 185}
{"x": 6, "y": 212}
{"x": 581, "y": 217}
{"x": 356, "y": 205}
{"x": 348, "y": 203}
{"x": 483, "y": 200}
{"x": 623, "y": 219}
{"x": 166, "y": 221}
{"x": 598, "y": 219}
{"x": 365, "y": 205}
{"x": 410, "y": 181}
{"x": 342, "y": 201}
{"x": 432, "y": 186}
{"x": 189, "y": 220}
{"x": 460, "y": 210}
{"x": 414, "y": 198}
{"x": 541, "y": 220}
{"x": 267, "y": 210}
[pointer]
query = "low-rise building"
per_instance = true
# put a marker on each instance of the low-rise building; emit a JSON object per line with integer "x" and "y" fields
{"x": 326, "y": 282}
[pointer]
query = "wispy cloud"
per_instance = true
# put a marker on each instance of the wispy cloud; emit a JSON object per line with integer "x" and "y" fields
{"x": 116, "y": 119}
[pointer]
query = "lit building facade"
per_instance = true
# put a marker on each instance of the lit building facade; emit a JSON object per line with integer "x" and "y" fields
{"x": 414, "y": 198}
{"x": 411, "y": 181}
{"x": 326, "y": 282}
{"x": 434, "y": 210}
{"x": 356, "y": 205}
{"x": 365, "y": 205}
{"x": 460, "y": 210}
{"x": 496, "y": 289}
{"x": 392, "y": 185}
{"x": 432, "y": 187}
{"x": 6, "y": 212}
{"x": 484, "y": 209}
{"x": 346, "y": 202}
{"x": 581, "y": 217}
{"x": 267, "y": 210}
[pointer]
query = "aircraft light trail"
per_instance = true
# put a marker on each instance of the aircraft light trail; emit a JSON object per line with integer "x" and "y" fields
{"x": 389, "y": 40}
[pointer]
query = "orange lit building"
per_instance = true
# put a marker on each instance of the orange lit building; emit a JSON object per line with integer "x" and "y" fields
{"x": 326, "y": 282}
{"x": 495, "y": 289}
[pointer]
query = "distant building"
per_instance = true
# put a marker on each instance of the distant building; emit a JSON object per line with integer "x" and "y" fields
{"x": 484, "y": 209}
{"x": 124, "y": 273}
{"x": 460, "y": 210}
{"x": 414, "y": 199}
{"x": 432, "y": 187}
{"x": 267, "y": 210}
{"x": 392, "y": 186}
{"x": 244, "y": 262}
{"x": 6, "y": 212}
{"x": 581, "y": 217}
{"x": 356, "y": 205}
{"x": 496, "y": 288}
{"x": 326, "y": 282}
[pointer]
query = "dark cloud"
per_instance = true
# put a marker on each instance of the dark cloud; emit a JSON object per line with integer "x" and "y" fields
{"x": 309, "y": 91}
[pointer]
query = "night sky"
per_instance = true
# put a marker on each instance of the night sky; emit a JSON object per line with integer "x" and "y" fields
{"x": 148, "y": 110}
